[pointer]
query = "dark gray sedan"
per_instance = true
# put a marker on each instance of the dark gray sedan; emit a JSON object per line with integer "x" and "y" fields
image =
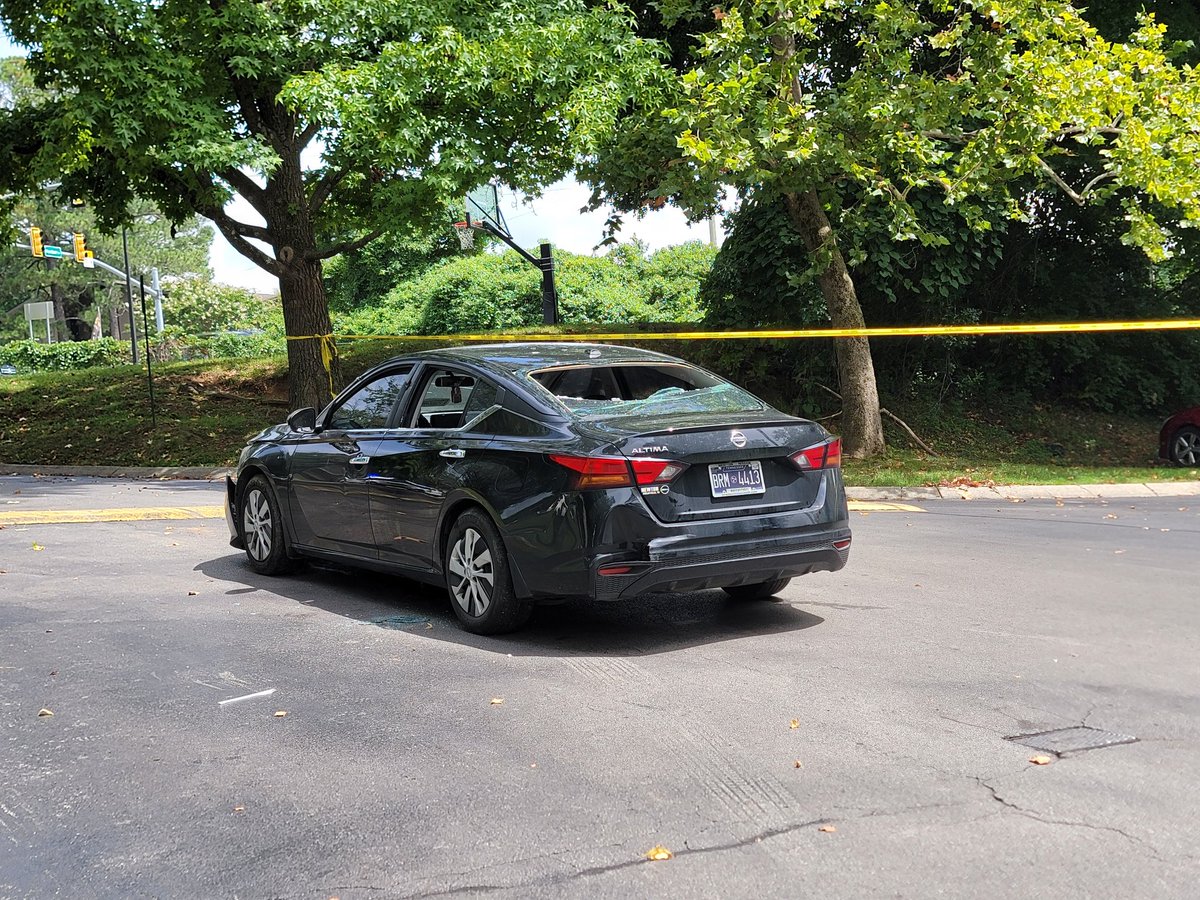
{"x": 520, "y": 473}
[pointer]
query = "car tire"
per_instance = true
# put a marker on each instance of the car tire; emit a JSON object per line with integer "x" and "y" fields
{"x": 478, "y": 578}
{"x": 1184, "y": 447}
{"x": 262, "y": 529}
{"x": 761, "y": 591}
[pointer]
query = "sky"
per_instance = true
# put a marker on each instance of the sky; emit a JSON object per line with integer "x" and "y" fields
{"x": 554, "y": 216}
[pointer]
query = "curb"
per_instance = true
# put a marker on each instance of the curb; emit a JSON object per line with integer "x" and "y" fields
{"x": 1011, "y": 493}
{"x": 149, "y": 473}
{"x": 1016, "y": 493}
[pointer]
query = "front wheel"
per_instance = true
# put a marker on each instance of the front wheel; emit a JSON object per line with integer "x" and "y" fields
{"x": 1184, "y": 448}
{"x": 759, "y": 591}
{"x": 262, "y": 529}
{"x": 477, "y": 577}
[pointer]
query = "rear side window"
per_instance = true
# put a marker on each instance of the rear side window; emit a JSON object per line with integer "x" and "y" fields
{"x": 451, "y": 399}
{"x": 642, "y": 389}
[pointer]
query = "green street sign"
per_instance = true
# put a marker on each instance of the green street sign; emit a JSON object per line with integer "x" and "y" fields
{"x": 52, "y": 252}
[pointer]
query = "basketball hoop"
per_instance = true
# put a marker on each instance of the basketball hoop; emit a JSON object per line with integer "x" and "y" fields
{"x": 466, "y": 235}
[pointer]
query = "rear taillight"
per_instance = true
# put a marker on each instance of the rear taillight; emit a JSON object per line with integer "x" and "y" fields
{"x": 820, "y": 456}
{"x": 656, "y": 471}
{"x": 592, "y": 472}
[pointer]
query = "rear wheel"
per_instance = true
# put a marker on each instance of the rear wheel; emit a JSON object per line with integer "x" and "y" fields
{"x": 760, "y": 591}
{"x": 477, "y": 577}
{"x": 262, "y": 529}
{"x": 1184, "y": 448}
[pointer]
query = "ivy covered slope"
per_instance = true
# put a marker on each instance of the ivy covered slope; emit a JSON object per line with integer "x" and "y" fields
{"x": 207, "y": 410}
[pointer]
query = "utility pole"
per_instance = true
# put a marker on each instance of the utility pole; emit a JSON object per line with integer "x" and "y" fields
{"x": 129, "y": 295}
{"x": 158, "y": 312}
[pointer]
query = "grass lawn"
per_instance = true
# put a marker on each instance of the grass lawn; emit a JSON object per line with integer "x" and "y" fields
{"x": 207, "y": 410}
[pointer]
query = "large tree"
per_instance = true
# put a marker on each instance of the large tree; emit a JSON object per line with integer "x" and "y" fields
{"x": 334, "y": 120}
{"x": 830, "y": 101}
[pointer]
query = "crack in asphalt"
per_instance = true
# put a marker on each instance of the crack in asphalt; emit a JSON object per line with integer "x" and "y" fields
{"x": 1038, "y": 817}
{"x": 551, "y": 880}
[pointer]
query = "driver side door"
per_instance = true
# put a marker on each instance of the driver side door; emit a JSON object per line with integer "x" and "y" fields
{"x": 331, "y": 468}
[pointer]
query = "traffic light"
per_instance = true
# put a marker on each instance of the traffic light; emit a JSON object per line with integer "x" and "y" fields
{"x": 80, "y": 248}
{"x": 35, "y": 241}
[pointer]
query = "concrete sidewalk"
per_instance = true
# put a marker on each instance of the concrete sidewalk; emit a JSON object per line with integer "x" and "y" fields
{"x": 1012, "y": 492}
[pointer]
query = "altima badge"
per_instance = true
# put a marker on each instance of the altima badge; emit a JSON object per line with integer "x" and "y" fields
{"x": 739, "y": 439}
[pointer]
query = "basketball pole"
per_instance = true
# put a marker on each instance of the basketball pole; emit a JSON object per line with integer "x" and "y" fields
{"x": 545, "y": 265}
{"x": 549, "y": 295}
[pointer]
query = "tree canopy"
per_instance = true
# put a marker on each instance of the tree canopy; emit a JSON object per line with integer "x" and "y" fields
{"x": 335, "y": 120}
{"x": 851, "y": 112}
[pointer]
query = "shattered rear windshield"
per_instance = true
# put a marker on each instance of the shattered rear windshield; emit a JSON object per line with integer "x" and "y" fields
{"x": 640, "y": 389}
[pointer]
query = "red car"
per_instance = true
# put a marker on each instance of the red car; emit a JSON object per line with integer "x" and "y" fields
{"x": 1179, "y": 440}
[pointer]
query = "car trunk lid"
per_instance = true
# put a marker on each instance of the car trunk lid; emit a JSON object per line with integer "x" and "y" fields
{"x": 737, "y": 465}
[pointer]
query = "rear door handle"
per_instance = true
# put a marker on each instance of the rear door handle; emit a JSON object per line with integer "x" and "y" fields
{"x": 453, "y": 453}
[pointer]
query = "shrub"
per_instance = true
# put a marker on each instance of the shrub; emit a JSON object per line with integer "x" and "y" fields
{"x": 196, "y": 306}
{"x": 32, "y": 356}
{"x": 490, "y": 292}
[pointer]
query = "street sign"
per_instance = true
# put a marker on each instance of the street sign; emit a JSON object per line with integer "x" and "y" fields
{"x": 37, "y": 311}
{"x": 52, "y": 252}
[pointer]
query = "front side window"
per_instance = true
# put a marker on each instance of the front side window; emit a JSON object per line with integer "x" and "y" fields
{"x": 629, "y": 389}
{"x": 371, "y": 405}
{"x": 452, "y": 399}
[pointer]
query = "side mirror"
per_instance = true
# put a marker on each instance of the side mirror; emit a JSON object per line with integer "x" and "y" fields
{"x": 303, "y": 419}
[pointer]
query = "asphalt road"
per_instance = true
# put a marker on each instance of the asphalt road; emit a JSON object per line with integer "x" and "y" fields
{"x": 846, "y": 741}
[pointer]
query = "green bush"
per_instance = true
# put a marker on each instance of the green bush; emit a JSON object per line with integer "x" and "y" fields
{"x": 176, "y": 344}
{"x": 32, "y": 356}
{"x": 197, "y": 306}
{"x": 490, "y": 292}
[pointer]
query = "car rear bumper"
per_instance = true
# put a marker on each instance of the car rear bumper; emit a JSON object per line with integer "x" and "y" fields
{"x": 235, "y": 536}
{"x": 710, "y": 564}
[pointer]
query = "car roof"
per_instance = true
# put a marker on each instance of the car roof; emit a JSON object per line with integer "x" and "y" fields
{"x": 529, "y": 357}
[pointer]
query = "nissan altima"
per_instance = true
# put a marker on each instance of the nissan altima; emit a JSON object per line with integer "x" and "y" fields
{"x": 522, "y": 473}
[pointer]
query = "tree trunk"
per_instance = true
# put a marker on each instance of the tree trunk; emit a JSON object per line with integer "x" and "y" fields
{"x": 306, "y": 312}
{"x": 314, "y": 373}
{"x": 60, "y": 314}
{"x": 862, "y": 427}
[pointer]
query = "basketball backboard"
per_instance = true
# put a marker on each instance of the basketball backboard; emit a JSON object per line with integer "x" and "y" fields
{"x": 483, "y": 208}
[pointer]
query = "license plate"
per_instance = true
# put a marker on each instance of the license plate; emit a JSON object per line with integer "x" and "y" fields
{"x": 736, "y": 479}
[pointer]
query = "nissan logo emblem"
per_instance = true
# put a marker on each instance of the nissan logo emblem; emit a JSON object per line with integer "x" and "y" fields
{"x": 739, "y": 439}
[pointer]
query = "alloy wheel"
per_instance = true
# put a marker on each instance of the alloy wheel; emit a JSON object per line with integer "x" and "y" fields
{"x": 1187, "y": 448}
{"x": 257, "y": 524}
{"x": 471, "y": 575}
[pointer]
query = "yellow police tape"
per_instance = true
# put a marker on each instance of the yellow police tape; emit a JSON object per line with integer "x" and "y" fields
{"x": 328, "y": 340}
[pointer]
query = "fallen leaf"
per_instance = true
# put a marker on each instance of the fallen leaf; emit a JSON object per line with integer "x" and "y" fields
{"x": 428, "y": 625}
{"x": 794, "y": 724}
{"x": 797, "y": 765}
{"x": 1118, "y": 551}
{"x": 239, "y": 809}
{"x": 280, "y": 713}
{"x": 191, "y": 593}
{"x": 45, "y": 713}
{"x": 54, "y": 672}
{"x": 659, "y": 852}
{"x": 37, "y": 546}
{"x": 1110, "y": 516}
{"x": 496, "y": 701}
{"x": 1040, "y": 760}
{"x": 828, "y": 829}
